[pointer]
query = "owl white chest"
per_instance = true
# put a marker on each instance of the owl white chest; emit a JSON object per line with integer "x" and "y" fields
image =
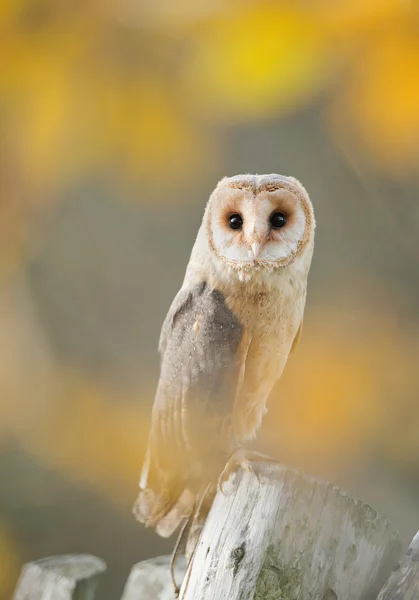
{"x": 271, "y": 320}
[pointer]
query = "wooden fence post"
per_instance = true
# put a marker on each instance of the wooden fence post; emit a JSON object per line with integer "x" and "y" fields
{"x": 66, "y": 577}
{"x": 404, "y": 582}
{"x": 283, "y": 535}
{"x": 280, "y": 535}
{"x": 150, "y": 579}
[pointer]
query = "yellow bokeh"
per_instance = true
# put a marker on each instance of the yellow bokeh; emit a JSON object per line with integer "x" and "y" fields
{"x": 138, "y": 127}
{"x": 347, "y": 18}
{"x": 341, "y": 393}
{"x": 105, "y": 86}
{"x": 380, "y": 104}
{"x": 256, "y": 63}
{"x": 88, "y": 435}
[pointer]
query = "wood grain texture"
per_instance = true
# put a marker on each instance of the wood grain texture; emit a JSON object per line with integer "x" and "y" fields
{"x": 404, "y": 582}
{"x": 150, "y": 579}
{"x": 283, "y": 535}
{"x": 66, "y": 577}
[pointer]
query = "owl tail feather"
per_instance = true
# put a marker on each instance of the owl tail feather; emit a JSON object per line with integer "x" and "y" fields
{"x": 162, "y": 507}
{"x": 163, "y": 512}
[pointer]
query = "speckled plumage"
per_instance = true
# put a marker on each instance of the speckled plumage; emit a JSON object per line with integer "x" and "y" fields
{"x": 226, "y": 339}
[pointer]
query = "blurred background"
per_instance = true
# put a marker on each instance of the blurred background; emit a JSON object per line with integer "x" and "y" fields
{"x": 117, "y": 119}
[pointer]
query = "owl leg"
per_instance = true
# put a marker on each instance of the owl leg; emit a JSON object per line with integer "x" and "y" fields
{"x": 241, "y": 458}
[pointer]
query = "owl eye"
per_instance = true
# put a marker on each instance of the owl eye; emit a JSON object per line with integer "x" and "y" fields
{"x": 235, "y": 221}
{"x": 277, "y": 220}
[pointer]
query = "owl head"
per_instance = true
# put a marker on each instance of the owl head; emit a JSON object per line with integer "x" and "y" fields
{"x": 256, "y": 222}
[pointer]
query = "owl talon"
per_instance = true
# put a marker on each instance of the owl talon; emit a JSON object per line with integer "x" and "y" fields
{"x": 225, "y": 476}
{"x": 221, "y": 489}
{"x": 221, "y": 481}
{"x": 243, "y": 459}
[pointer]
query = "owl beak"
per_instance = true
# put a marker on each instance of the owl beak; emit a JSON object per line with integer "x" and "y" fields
{"x": 256, "y": 248}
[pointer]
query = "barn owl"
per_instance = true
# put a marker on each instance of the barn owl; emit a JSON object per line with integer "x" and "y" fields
{"x": 226, "y": 339}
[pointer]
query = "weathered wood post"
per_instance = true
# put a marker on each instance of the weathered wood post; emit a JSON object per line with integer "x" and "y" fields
{"x": 150, "y": 580}
{"x": 404, "y": 582}
{"x": 281, "y": 535}
{"x": 286, "y": 536}
{"x": 66, "y": 577}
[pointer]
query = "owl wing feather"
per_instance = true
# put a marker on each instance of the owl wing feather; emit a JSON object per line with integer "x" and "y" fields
{"x": 203, "y": 348}
{"x": 297, "y": 337}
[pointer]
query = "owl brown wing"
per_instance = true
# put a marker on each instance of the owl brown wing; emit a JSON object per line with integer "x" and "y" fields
{"x": 203, "y": 348}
